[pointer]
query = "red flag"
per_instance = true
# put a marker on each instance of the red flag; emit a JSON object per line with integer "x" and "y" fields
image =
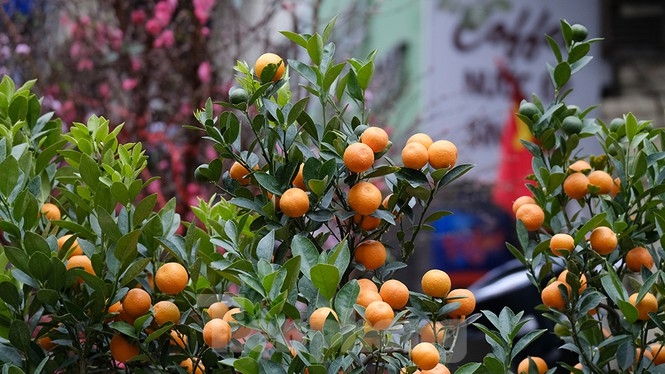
{"x": 515, "y": 159}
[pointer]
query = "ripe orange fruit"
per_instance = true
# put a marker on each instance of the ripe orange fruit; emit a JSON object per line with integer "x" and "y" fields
{"x": 638, "y": 257}
{"x": 579, "y": 166}
{"x": 435, "y": 283}
{"x": 122, "y": 350}
{"x": 616, "y": 187}
{"x": 551, "y": 295}
{"x": 188, "y": 365}
{"x": 364, "y": 198}
{"x": 166, "y": 311}
{"x": 294, "y": 202}
{"x": 371, "y": 254}
{"x": 51, "y": 212}
{"x": 217, "y": 333}
{"x": 603, "y": 240}
{"x": 658, "y": 353}
{"x": 366, "y": 223}
{"x": 115, "y": 307}
{"x": 74, "y": 248}
{"x": 421, "y": 138}
{"x": 582, "y": 279}
{"x": 425, "y": 356}
{"x": 521, "y": 201}
{"x": 367, "y": 284}
{"x": 239, "y": 173}
{"x": 171, "y": 278}
{"x": 648, "y": 304}
{"x": 298, "y": 180}
{"x": 525, "y": 365}
{"x": 366, "y": 297}
{"x": 576, "y": 186}
{"x": 318, "y": 318}
{"x": 266, "y": 59}
{"x": 80, "y": 261}
{"x": 467, "y": 300}
{"x": 415, "y": 155}
{"x": 560, "y": 242}
{"x": 438, "y": 369}
{"x": 218, "y": 309}
{"x": 578, "y": 366}
{"x": 442, "y": 154}
{"x": 647, "y": 354}
{"x": 531, "y": 215}
{"x": 358, "y": 157}
{"x": 136, "y": 303}
{"x": 602, "y": 180}
{"x": 395, "y": 293}
{"x": 427, "y": 332}
{"x": 177, "y": 338}
{"x": 376, "y": 138}
{"x": 46, "y": 343}
{"x": 240, "y": 330}
{"x": 379, "y": 314}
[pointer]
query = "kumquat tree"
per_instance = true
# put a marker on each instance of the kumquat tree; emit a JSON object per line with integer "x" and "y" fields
{"x": 592, "y": 232}
{"x": 290, "y": 267}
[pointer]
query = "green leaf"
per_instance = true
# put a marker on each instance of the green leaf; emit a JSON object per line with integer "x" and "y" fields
{"x": 555, "y": 48}
{"x": 329, "y": 28}
{"x": 126, "y": 248}
{"x": 36, "y": 243}
{"x": 297, "y": 109}
{"x": 266, "y": 246}
{"x": 246, "y": 365}
{"x": 90, "y": 171}
{"x": 561, "y": 74}
{"x": 566, "y": 32}
{"x": 325, "y": 278}
{"x": 365, "y": 75}
{"x": 120, "y": 192}
{"x": 269, "y": 182}
{"x": 9, "y": 294}
{"x": 48, "y": 296}
{"x": 315, "y": 48}
{"x": 353, "y": 87}
{"x": 10, "y": 175}
{"x": 303, "y": 247}
{"x": 134, "y": 270}
{"x": 40, "y": 266}
{"x": 345, "y": 300}
{"x": 454, "y": 173}
{"x": 525, "y": 341}
{"x": 331, "y": 75}
{"x": 296, "y": 38}
{"x": 469, "y": 368}
{"x": 305, "y": 71}
{"x": 579, "y": 50}
{"x": 19, "y": 335}
{"x": 144, "y": 208}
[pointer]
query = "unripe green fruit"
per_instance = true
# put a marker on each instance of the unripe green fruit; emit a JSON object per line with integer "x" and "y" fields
{"x": 579, "y": 32}
{"x": 528, "y": 110}
{"x": 200, "y": 173}
{"x": 238, "y": 95}
{"x": 572, "y": 125}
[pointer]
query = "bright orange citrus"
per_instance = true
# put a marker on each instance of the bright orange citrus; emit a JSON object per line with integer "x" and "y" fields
{"x": 525, "y": 365}
{"x": 425, "y": 356}
{"x": 562, "y": 242}
{"x": 427, "y": 332}
{"x": 576, "y": 186}
{"x": 658, "y": 353}
{"x": 638, "y": 257}
{"x": 395, "y": 293}
{"x": 551, "y": 295}
{"x": 521, "y": 201}
{"x": 371, "y": 254}
{"x": 582, "y": 279}
{"x": 648, "y": 304}
{"x": 367, "y": 284}
{"x": 80, "y": 261}
{"x": 136, "y": 303}
{"x": 51, "y": 212}
{"x": 616, "y": 187}
{"x": 122, "y": 350}
{"x": 266, "y": 59}
{"x": 366, "y": 223}
{"x": 294, "y": 202}
{"x": 217, "y": 333}
{"x": 415, "y": 155}
{"x": 358, "y": 157}
{"x": 531, "y": 215}
{"x": 74, "y": 248}
{"x": 217, "y": 309}
{"x": 376, "y": 138}
{"x": 579, "y": 166}
{"x": 438, "y": 369}
{"x": 603, "y": 240}
{"x": 318, "y": 318}
{"x": 379, "y": 314}
{"x": 435, "y": 283}
{"x": 166, "y": 311}
{"x": 239, "y": 173}
{"x": 421, "y": 138}
{"x": 188, "y": 365}
{"x": 467, "y": 301}
{"x": 240, "y": 330}
{"x": 178, "y": 339}
{"x": 602, "y": 180}
{"x": 298, "y": 180}
{"x": 366, "y": 297}
{"x": 442, "y": 154}
{"x": 171, "y": 278}
{"x": 364, "y": 198}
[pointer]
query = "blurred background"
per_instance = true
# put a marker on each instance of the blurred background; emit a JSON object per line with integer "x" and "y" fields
{"x": 455, "y": 69}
